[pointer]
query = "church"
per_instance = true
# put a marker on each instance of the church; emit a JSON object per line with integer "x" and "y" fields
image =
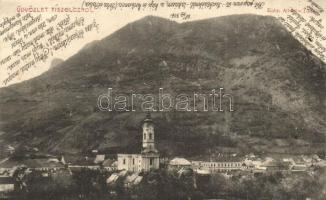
{"x": 148, "y": 159}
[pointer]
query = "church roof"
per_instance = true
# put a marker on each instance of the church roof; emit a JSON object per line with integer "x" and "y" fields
{"x": 146, "y": 150}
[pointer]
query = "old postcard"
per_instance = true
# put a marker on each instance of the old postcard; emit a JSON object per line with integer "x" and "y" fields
{"x": 162, "y": 99}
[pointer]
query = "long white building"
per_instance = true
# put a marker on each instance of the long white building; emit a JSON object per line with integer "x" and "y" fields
{"x": 219, "y": 165}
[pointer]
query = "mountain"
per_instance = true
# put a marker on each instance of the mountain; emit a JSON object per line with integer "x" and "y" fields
{"x": 278, "y": 88}
{"x": 55, "y": 62}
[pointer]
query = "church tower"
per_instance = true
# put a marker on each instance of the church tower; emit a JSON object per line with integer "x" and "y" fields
{"x": 148, "y": 135}
{"x": 149, "y": 157}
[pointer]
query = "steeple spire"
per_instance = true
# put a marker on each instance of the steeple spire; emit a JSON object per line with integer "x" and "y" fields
{"x": 148, "y": 115}
{"x": 148, "y": 118}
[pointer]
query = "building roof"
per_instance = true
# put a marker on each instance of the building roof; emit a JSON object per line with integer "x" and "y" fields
{"x": 202, "y": 172}
{"x": 54, "y": 160}
{"x": 185, "y": 171}
{"x": 227, "y": 159}
{"x": 131, "y": 178}
{"x": 108, "y": 162}
{"x": 6, "y": 180}
{"x": 112, "y": 179}
{"x": 298, "y": 160}
{"x": 83, "y": 161}
{"x": 299, "y": 168}
{"x": 138, "y": 180}
{"x": 179, "y": 161}
{"x": 279, "y": 164}
{"x": 99, "y": 158}
{"x": 221, "y": 159}
{"x": 7, "y": 172}
{"x": 31, "y": 163}
{"x": 123, "y": 173}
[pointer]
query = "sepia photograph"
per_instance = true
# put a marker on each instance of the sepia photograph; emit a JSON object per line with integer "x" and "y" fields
{"x": 162, "y": 100}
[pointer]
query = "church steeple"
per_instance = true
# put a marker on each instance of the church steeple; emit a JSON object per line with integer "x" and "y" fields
{"x": 149, "y": 157}
{"x": 148, "y": 134}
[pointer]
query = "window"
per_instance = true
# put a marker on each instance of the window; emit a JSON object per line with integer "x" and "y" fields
{"x": 144, "y": 136}
{"x": 150, "y": 136}
{"x": 151, "y": 161}
{"x": 124, "y": 161}
{"x": 133, "y": 161}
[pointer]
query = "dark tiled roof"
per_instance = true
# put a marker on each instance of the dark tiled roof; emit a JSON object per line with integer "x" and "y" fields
{"x": 6, "y": 180}
{"x": 222, "y": 159}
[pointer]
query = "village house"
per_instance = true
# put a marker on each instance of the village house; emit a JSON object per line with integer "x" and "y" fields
{"x": 254, "y": 164}
{"x": 276, "y": 165}
{"x": 179, "y": 163}
{"x": 148, "y": 159}
{"x": 132, "y": 179}
{"x": 7, "y": 184}
{"x": 83, "y": 163}
{"x": 299, "y": 164}
{"x": 116, "y": 176}
{"x": 110, "y": 164}
{"x": 40, "y": 164}
{"x": 99, "y": 158}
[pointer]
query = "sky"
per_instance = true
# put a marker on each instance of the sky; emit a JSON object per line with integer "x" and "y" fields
{"x": 110, "y": 21}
